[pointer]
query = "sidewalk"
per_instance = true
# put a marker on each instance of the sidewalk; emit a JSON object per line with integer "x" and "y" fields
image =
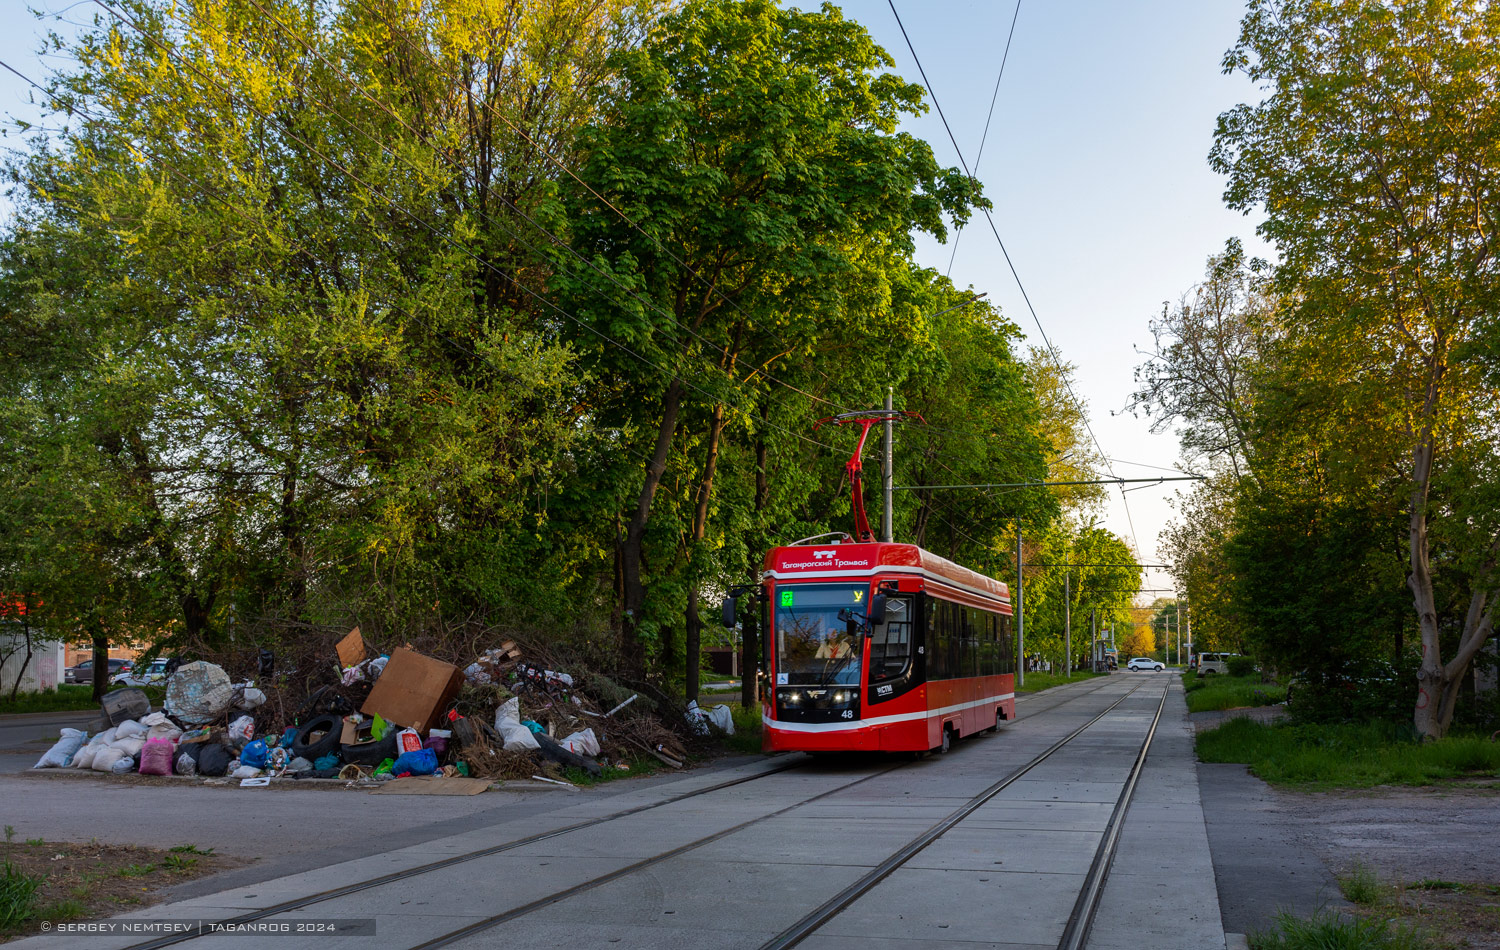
{"x": 1160, "y": 892}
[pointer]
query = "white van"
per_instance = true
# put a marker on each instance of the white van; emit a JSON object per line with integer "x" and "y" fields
{"x": 1214, "y": 663}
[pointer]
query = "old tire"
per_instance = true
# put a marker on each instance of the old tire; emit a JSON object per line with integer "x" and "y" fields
{"x": 371, "y": 753}
{"x": 311, "y": 746}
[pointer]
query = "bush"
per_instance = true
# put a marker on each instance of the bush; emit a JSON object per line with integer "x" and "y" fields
{"x": 1241, "y": 666}
{"x": 1356, "y": 692}
{"x": 17, "y": 896}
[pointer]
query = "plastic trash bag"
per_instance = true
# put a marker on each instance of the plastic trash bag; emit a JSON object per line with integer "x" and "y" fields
{"x": 245, "y": 771}
{"x": 255, "y": 754}
{"x": 508, "y": 724}
{"x": 213, "y": 759}
{"x": 247, "y": 696}
{"x": 125, "y": 763}
{"x": 84, "y": 757}
{"x": 198, "y": 692}
{"x": 420, "y": 762}
{"x": 156, "y": 757}
{"x": 299, "y": 764}
{"x": 582, "y": 743}
{"x": 186, "y": 765}
{"x": 62, "y": 751}
{"x": 715, "y": 717}
{"x": 242, "y": 729}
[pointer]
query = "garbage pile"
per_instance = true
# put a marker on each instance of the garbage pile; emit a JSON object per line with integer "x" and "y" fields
{"x": 379, "y": 718}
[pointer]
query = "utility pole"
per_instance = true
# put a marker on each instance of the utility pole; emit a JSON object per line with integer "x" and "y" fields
{"x": 1189, "y": 626}
{"x": 888, "y": 470}
{"x": 1020, "y": 614}
{"x": 1068, "y": 622}
{"x": 1095, "y": 649}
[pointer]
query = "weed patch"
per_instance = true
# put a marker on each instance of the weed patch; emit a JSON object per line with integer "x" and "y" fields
{"x": 1331, "y": 932}
{"x": 1360, "y": 885}
{"x": 1347, "y": 756}
{"x": 1219, "y": 691}
{"x": 1036, "y": 682}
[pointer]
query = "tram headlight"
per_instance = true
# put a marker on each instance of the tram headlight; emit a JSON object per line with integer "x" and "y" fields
{"x": 841, "y": 697}
{"x": 792, "y": 699}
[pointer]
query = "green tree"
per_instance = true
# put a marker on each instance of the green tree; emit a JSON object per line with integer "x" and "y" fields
{"x": 1374, "y": 155}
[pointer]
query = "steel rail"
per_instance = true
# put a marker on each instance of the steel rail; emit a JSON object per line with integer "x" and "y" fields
{"x": 394, "y": 876}
{"x": 832, "y": 907}
{"x": 408, "y": 873}
{"x": 1076, "y": 933}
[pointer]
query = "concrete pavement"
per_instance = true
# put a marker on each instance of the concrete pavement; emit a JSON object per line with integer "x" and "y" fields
{"x": 1005, "y": 877}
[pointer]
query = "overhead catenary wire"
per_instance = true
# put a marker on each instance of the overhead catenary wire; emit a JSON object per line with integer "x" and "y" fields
{"x": 984, "y": 136}
{"x": 1011, "y": 265}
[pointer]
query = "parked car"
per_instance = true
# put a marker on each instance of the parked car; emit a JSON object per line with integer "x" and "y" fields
{"x": 150, "y": 676}
{"x": 1214, "y": 663}
{"x": 1145, "y": 663}
{"x": 84, "y": 672}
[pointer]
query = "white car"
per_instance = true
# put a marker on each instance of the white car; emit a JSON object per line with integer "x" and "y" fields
{"x": 150, "y": 676}
{"x": 1145, "y": 663}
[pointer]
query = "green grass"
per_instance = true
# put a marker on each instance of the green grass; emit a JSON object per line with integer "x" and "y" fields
{"x": 1036, "y": 682}
{"x": 1360, "y": 884}
{"x": 1327, "y": 931}
{"x": 68, "y": 697}
{"x": 1347, "y": 756}
{"x": 644, "y": 765}
{"x": 1220, "y": 691}
{"x": 17, "y": 896}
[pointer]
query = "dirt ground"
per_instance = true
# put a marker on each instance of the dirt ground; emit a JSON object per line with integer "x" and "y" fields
{"x": 88, "y": 880}
{"x": 1433, "y": 851}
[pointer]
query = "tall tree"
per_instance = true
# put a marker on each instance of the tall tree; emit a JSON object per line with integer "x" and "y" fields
{"x": 1376, "y": 157}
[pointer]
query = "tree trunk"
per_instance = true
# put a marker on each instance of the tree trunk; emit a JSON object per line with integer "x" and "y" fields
{"x": 101, "y": 660}
{"x": 631, "y": 551}
{"x": 694, "y": 631}
{"x": 750, "y": 646}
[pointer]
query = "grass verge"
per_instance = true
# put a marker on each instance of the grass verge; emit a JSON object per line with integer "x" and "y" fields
{"x": 68, "y": 697}
{"x": 1328, "y": 931}
{"x": 1036, "y": 682}
{"x": 68, "y": 881}
{"x": 1347, "y": 756}
{"x": 1220, "y": 691}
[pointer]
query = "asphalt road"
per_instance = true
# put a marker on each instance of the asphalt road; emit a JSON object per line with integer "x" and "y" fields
{"x": 25, "y": 738}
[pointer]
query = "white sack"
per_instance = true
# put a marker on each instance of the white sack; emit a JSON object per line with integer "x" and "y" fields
{"x": 508, "y": 724}
{"x": 582, "y": 743}
{"x": 62, "y": 750}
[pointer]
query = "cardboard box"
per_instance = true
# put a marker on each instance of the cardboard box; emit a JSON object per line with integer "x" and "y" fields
{"x": 351, "y": 649}
{"x": 414, "y": 690}
{"x": 355, "y": 732}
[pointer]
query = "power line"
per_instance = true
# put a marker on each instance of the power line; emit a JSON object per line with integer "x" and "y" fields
{"x": 990, "y": 115}
{"x": 1096, "y": 481}
{"x": 1010, "y": 264}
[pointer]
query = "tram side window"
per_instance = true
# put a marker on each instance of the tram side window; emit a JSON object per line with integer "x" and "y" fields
{"x": 1007, "y": 657}
{"x": 971, "y": 641}
{"x": 890, "y": 647}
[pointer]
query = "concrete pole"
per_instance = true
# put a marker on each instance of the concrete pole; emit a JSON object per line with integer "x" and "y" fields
{"x": 1020, "y": 615}
{"x": 1094, "y": 637}
{"x": 1189, "y": 624}
{"x": 888, "y": 471}
{"x": 1068, "y": 623}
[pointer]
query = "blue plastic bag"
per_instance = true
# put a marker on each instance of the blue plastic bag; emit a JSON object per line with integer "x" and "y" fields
{"x": 254, "y": 754}
{"x": 420, "y": 762}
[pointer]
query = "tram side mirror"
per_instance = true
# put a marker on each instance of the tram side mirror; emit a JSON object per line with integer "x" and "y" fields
{"x": 727, "y": 612}
{"x": 877, "y": 610}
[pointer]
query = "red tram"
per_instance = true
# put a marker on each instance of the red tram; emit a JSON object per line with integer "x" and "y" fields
{"x": 881, "y": 647}
{"x": 876, "y": 646}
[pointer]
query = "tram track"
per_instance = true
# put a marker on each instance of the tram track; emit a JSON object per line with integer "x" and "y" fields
{"x": 409, "y": 874}
{"x": 1083, "y": 910}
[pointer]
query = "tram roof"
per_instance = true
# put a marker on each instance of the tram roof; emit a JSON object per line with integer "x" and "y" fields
{"x": 810, "y": 561}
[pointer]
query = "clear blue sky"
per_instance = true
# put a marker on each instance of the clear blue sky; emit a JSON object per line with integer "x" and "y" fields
{"x": 1096, "y": 162}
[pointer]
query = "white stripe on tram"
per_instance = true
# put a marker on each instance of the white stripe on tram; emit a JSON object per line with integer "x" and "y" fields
{"x": 877, "y": 720}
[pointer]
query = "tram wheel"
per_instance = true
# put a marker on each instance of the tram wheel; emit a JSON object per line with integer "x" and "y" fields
{"x": 996, "y": 726}
{"x": 947, "y": 742}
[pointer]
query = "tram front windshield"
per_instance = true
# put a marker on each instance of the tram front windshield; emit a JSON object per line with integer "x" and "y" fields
{"x": 813, "y": 646}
